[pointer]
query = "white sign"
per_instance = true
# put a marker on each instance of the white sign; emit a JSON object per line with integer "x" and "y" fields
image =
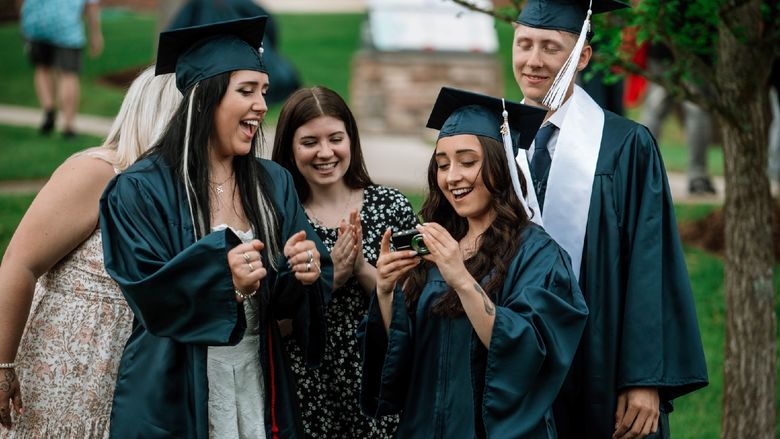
{"x": 431, "y": 25}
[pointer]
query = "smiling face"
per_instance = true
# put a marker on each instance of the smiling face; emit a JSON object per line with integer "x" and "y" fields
{"x": 459, "y": 164}
{"x": 321, "y": 150}
{"x": 538, "y": 55}
{"x": 239, "y": 113}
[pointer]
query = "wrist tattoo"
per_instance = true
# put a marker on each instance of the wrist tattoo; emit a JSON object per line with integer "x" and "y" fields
{"x": 490, "y": 309}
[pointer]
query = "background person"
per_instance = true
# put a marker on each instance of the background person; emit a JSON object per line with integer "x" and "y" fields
{"x": 475, "y": 338}
{"x": 53, "y": 282}
{"x": 210, "y": 247}
{"x": 55, "y": 37}
{"x": 317, "y": 140}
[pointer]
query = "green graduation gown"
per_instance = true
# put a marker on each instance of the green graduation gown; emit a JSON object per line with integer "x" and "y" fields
{"x": 446, "y": 384}
{"x": 642, "y": 330}
{"x": 181, "y": 292}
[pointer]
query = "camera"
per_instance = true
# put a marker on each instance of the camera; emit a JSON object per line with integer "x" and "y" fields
{"x": 409, "y": 240}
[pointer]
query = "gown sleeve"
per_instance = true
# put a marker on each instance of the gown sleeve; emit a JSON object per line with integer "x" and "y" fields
{"x": 187, "y": 295}
{"x": 658, "y": 297}
{"x": 540, "y": 317}
{"x": 304, "y": 304}
{"x": 387, "y": 358}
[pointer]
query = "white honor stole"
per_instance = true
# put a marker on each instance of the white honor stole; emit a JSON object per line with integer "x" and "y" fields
{"x": 570, "y": 181}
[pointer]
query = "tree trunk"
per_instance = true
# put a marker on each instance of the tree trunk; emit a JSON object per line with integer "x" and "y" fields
{"x": 749, "y": 364}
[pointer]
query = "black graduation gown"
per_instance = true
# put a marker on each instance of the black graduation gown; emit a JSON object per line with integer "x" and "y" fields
{"x": 181, "y": 292}
{"x": 642, "y": 330}
{"x": 437, "y": 373}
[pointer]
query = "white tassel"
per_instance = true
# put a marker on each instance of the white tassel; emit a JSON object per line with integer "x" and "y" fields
{"x": 557, "y": 93}
{"x": 506, "y": 136}
{"x": 186, "y": 168}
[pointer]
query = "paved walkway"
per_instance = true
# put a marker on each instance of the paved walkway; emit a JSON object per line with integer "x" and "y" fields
{"x": 398, "y": 161}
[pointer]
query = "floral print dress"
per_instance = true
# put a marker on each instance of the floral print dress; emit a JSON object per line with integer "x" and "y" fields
{"x": 329, "y": 395}
{"x": 69, "y": 354}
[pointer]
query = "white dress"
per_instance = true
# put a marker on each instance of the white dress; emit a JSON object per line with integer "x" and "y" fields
{"x": 236, "y": 393}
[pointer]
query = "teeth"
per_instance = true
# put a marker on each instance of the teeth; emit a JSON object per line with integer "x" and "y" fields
{"x": 325, "y": 166}
{"x": 251, "y": 122}
{"x": 462, "y": 191}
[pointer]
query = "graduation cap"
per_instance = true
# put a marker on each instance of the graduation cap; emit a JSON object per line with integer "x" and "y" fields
{"x": 512, "y": 124}
{"x": 566, "y": 15}
{"x": 200, "y": 52}
{"x": 465, "y": 112}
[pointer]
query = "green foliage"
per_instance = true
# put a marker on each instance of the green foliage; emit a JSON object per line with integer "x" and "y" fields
{"x": 25, "y": 154}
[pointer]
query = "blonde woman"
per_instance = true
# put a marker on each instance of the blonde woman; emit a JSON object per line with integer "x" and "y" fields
{"x": 57, "y": 374}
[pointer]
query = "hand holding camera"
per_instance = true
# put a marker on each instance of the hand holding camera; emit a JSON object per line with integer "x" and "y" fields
{"x": 444, "y": 251}
{"x": 391, "y": 265}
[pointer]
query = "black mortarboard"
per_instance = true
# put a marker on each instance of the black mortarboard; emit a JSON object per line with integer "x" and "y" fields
{"x": 565, "y": 15}
{"x": 464, "y": 112}
{"x": 200, "y": 52}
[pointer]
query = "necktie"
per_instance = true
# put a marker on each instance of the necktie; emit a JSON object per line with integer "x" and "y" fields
{"x": 541, "y": 160}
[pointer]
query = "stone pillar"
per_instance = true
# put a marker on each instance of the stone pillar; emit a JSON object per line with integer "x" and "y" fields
{"x": 393, "y": 92}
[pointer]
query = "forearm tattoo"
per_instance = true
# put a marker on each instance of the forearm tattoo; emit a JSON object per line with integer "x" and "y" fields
{"x": 490, "y": 309}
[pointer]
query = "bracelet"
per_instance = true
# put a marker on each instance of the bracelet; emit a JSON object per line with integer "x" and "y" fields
{"x": 7, "y": 365}
{"x": 244, "y": 295}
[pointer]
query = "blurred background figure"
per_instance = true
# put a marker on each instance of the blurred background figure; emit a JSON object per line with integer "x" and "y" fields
{"x": 281, "y": 72}
{"x": 698, "y": 123}
{"x": 608, "y": 94}
{"x": 66, "y": 362}
{"x": 55, "y": 37}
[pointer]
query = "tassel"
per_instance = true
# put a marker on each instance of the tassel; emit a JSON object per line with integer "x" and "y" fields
{"x": 186, "y": 169}
{"x": 555, "y": 96}
{"x": 510, "y": 159}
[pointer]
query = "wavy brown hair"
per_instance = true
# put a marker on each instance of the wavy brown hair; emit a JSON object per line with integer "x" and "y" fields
{"x": 301, "y": 107}
{"x": 496, "y": 246}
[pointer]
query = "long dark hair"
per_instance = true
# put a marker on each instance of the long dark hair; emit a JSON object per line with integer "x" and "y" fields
{"x": 193, "y": 124}
{"x": 301, "y": 107}
{"x": 496, "y": 246}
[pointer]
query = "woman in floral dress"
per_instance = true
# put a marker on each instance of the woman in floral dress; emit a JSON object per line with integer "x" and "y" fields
{"x": 317, "y": 141}
{"x": 57, "y": 380}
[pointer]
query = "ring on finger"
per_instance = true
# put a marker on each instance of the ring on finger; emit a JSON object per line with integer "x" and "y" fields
{"x": 251, "y": 268}
{"x": 308, "y": 267}
{"x": 311, "y": 257}
{"x": 247, "y": 259}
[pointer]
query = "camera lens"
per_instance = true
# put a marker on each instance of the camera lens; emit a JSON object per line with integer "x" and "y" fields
{"x": 418, "y": 244}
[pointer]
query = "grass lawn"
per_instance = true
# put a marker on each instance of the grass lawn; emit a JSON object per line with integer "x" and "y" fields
{"x": 131, "y": 38}
{"x": 25, "y": 154}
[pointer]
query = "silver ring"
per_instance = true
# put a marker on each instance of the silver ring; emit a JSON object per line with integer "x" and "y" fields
{"x": 308, "y": 267}
{"x": 311, "y": 257}
{"x": 251, "y": 268}
{"x": 246, "y": 258}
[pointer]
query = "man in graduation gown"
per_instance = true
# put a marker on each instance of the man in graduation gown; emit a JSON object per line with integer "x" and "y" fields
{"x": 601, "y": 191}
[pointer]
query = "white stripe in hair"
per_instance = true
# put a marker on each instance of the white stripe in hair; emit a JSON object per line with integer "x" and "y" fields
{"x": 186, "y": 168}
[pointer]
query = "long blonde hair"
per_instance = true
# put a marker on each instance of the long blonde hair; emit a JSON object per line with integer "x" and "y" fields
{"x": 145, "y": 112}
